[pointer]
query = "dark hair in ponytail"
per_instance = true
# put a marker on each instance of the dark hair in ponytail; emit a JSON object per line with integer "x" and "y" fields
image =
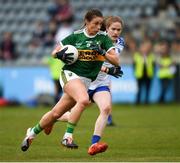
{"x": 92, "y": 14}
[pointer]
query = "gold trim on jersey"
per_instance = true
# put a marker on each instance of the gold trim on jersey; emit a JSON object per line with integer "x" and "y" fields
{"x": 90, "y": 55}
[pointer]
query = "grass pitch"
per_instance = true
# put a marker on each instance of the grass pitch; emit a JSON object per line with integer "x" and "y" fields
{"x": 142, "y": 133}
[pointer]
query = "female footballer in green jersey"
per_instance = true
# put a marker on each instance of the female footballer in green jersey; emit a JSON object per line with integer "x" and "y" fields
{"x": 76, "y": 78}
{"x": 98, "y": 89}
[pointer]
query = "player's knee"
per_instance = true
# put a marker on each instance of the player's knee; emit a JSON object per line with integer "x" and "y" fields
{"x": 106, "y": 110}
{"x": 83, "y": 102}
{"x": 55, "y": 115}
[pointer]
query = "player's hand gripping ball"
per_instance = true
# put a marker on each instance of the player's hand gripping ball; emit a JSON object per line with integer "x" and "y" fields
{"x": 68, "y": 54}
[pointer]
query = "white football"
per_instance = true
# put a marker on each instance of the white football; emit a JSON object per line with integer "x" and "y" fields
{"x": 72, "y": 49}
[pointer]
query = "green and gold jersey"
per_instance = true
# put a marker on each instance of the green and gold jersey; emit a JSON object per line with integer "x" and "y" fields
{"x": 89, "y": 61}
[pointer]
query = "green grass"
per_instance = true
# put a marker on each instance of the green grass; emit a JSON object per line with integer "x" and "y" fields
{"x": 142, "y": 133}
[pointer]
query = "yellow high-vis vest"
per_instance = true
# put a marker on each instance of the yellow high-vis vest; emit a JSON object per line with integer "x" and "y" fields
{"x": 165, "y": 68}
{"x": 139, "y": 65}
{"x": 55, "y": 66}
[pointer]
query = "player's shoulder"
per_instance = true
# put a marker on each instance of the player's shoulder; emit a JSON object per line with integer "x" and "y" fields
{"x": 78, "y": 31}
{"x": 103, "y": 33}
{"x": 120, "y": 41}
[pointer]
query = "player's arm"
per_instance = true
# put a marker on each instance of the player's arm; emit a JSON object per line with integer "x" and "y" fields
{"x": 110, "y": 54}
{"x": 112, "y": 57}
{"x": 61, "y": 53}
{"x": 60, "y": 43}
{"x": 113, "y": 71}
{"x": 55, "y": 50}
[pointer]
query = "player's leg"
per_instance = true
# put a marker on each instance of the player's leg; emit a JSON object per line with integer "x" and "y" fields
{"x": 63, "y": 118}
{"x": 48, "y": 119}
{"x": 110, "y": 118}
{"x": 147, "y": 84}
{"x": 138, "y": 95}
{"x": 110, "y": 121}
{"x": 72, "y": 86}
{"x": 104, "y": 105}
{"x": 82, "y": 100}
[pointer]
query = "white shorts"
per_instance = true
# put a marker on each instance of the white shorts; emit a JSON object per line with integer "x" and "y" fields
{"x": 67, "y": 75}
{"x": 102, "y": 80}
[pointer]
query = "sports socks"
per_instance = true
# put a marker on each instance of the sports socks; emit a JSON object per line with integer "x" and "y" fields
{"x": 95, "y": 139}
{"x": 109, "y": 121}
{"x": 37, "y": 129}
{"x": 69, "y": 130}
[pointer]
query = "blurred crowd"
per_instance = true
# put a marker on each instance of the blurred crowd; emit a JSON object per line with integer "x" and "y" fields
{"x": 163, "y": 24}
{"x": 58, "y": 24}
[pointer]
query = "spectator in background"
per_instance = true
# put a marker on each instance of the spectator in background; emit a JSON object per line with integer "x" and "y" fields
{"x": 130, "y": 43}
{"x": 39, "y": 33}
{"x": 44, "y": 34}
{"x": 176, "y": 42}
{"x": 50, "y": 34}
{"x": 64, "y": 30}
{"x": 55, "y": 67}
{"x": 49, "y": 40}
{"x": 61, "y": 11}
{"x": 7, "y": 47}
{"x": 32, "y": 47}
{"x": 144, "y": 69}
{"x": 163, "y": 5}
{"x": 166, "y": 69}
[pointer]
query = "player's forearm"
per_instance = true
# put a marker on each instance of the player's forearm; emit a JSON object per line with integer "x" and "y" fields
{"x": 103, "y": 69}
{"x": 113, "y": 58}
{"x": 56, "y": 49}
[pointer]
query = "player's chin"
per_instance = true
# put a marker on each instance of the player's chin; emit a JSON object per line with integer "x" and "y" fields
{"x": 115, "y": 38}
{"x": 95, "y": 32}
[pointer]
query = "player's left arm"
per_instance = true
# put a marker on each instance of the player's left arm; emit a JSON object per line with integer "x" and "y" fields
{"x": 113, "y": 71}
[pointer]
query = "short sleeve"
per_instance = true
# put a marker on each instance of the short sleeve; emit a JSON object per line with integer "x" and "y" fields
{"x": 107, "y": 43}
{"x": 69, "y": 40}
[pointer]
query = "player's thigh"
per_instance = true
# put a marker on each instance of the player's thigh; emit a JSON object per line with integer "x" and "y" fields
{"x": 64, "y": 104}
{"x": 74, "y": 85}
{"x": 76, "y": 89}
{"x": 103, "y": 99}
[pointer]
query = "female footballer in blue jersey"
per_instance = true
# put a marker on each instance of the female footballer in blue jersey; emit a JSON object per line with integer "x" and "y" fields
{"x": 102, "y": 85}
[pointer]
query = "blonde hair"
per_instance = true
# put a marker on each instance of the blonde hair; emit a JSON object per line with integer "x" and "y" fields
{"x": 111, "y": 19}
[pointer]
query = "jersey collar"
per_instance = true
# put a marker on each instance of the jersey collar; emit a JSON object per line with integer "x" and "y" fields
{"x": 86, "y": 34}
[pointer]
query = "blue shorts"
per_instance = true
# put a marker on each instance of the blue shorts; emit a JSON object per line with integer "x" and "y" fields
{"x": 98, "y": 89}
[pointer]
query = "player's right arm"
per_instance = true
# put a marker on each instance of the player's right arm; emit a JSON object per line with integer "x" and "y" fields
{"x": 59, "y": 45}
{"x": 110, "y": 54}
{"x": 55, "y": 50}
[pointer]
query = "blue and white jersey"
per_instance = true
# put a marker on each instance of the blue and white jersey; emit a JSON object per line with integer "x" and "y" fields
{"x": 103, "y": 79}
